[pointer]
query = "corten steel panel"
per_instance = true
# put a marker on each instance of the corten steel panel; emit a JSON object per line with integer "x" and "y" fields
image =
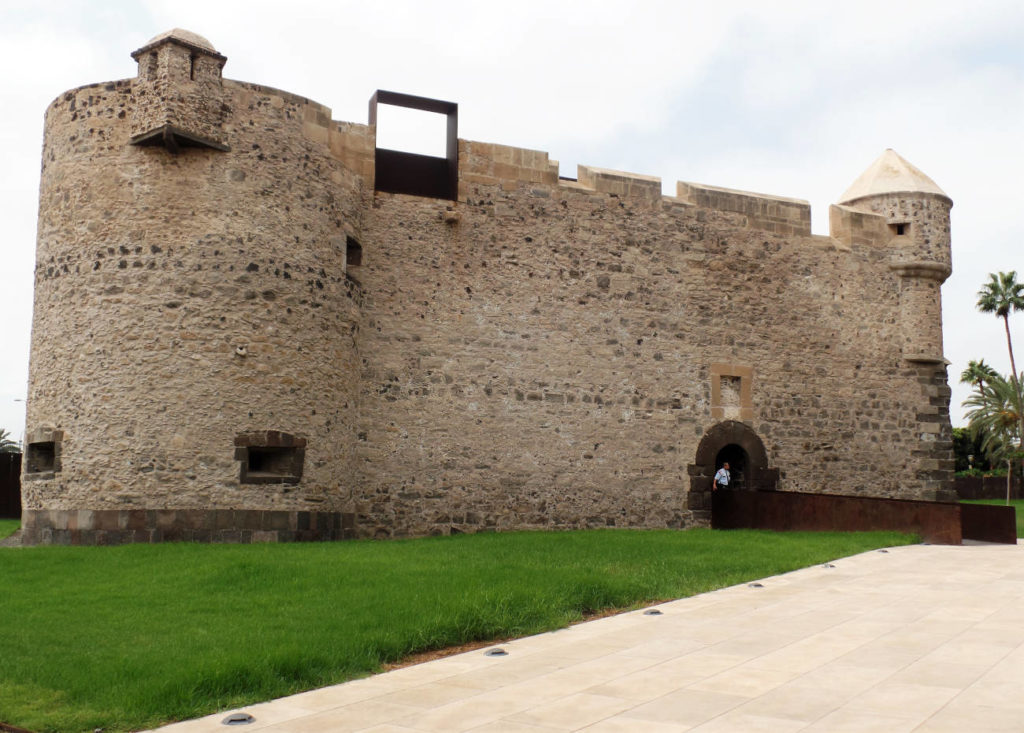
{"x": 792, "y": 511}
{"x": 10, "y": 485}
{"x": 989, "y": 523}
{"x": 986, "y": 487}
{"x": 414, "y": 175}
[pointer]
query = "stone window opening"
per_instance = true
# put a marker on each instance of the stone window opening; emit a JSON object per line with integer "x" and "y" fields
{"x": 151, "y": 67}
{"x": 192, "y": 67}
{"x": 901, "y": 229}
{"x": 270, "y": 457}
{"x": 41, "y": 457}
{"x": 43, "y": 453}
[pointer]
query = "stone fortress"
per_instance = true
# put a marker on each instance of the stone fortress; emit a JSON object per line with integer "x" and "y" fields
{"x": 253, "y": 324}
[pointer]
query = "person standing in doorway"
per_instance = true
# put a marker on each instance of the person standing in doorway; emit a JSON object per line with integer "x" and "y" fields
{"x": 722, "y": 477}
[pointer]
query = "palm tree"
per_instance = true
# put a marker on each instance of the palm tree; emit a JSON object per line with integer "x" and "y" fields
{"x": 6, "y": 444}
{"x": 977, "y": 373}
{"x": 996, "y": 415}
{"x": 1001, "y": 295}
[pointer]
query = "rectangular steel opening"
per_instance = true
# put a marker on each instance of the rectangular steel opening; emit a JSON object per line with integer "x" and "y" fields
{"x": 411, "y": 173}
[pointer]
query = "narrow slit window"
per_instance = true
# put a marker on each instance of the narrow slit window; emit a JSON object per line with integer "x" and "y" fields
{"x": 901, "y": 229}
{"x": 353, "y": 252}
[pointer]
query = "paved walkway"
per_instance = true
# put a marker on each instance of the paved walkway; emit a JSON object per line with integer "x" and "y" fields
{"x": 921, "y": 638}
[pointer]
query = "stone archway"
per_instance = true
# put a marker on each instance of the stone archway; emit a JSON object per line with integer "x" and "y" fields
{"x": 739, "y": 444}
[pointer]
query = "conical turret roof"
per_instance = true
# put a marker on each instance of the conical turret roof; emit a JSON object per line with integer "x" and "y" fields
{"x": 193, "y": 39}
{"x": 890, "y": 173}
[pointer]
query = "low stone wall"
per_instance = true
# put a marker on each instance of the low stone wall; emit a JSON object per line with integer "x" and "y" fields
{"x": 116, "y": 526}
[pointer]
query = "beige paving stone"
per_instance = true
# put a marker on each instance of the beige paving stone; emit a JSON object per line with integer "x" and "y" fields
{"x": 847, "y": 720}
{"x": 508, "y": 726}
{"x": 900, "y": 699}
{"x": 429, "y": 695}
{"x": 573, "y": 712}
{"x": 647, "y": 684}
{"x": 801, "y": 701}
{"x": 745, "y": 680}
{"x": 964, "y": 717}
{"x": 927, "y": 672}
{"x": 738, "y": 722}
{"x": 995, "y": 692}
{"x": 516, "y": 670}
{"x": 807, "y": 654}
{"x": 685, "y": 707}
{"x": 463, "y": 715}
{"x": 620, "y": 724}
{"x": 879, "y": 655}
{"x": 354, "y": 717}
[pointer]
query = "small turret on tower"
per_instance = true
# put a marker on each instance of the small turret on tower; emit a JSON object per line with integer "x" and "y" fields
{"x": 178, "y": 93}
{"x": 916, "y": 212}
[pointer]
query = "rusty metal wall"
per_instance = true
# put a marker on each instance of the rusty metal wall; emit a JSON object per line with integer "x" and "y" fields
{"x": 988, "y": 487}
{"x": 939, "y": 523}
{"x": 10, "y": 485}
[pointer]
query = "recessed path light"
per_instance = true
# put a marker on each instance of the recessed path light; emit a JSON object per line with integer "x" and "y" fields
{"x": 652, "y": 612}
{"x": 755, "y": 585}
{"x": 828, "y": 565}
{"x": 238, "y": 719}
{"x": 883, "y": 550}
{"x": 495, "y": 653}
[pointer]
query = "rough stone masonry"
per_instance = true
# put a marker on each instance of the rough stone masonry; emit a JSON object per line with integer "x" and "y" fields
{"x": 253, "y": 324}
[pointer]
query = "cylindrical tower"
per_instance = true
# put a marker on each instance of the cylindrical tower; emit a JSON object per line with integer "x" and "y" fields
{"x": 194, "y": 364}
{"x": 916, "y": 211}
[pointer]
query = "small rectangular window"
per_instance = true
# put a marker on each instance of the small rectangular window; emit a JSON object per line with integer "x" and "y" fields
{"x": 41, "y": 457}
{"x": 270, "y": 457}
{"x": 271, "y": 462}
{"x": 900, "y": 229}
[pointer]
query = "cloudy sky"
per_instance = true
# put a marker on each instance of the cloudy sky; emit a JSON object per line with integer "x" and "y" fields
{"x": 788, "y": 98}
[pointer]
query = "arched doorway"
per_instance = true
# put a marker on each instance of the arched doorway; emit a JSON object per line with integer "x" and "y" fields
{"x": 739, "y": 463}
{"x": 738, "y": 444}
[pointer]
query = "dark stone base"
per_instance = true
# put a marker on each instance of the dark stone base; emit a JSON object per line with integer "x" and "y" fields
{"x": 123, "y": 526}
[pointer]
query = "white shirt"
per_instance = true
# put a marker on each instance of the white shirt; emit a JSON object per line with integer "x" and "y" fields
{"x": 722, "y": 477}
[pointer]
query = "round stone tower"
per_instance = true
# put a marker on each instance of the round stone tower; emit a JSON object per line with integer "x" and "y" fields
{"x": 917, "y": 212}
{"x": 194, "y": 364}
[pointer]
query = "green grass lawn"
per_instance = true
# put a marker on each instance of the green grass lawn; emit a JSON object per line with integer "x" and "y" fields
{"x": 8, "y": 527}
{"x": 1017, "y": 503}
{"x": 129, "y": 637}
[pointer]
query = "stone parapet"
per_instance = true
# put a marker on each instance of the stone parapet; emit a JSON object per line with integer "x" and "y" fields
{"x": 501, "y": 165}
{"x": 773, "y": 213}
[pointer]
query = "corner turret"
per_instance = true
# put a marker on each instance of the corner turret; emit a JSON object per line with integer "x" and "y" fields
{"x": 178, "y": 93}
{"x": 916, "y": 214}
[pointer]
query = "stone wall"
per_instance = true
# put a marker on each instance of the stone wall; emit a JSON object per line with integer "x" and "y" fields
{"x": 550, "y": 358}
